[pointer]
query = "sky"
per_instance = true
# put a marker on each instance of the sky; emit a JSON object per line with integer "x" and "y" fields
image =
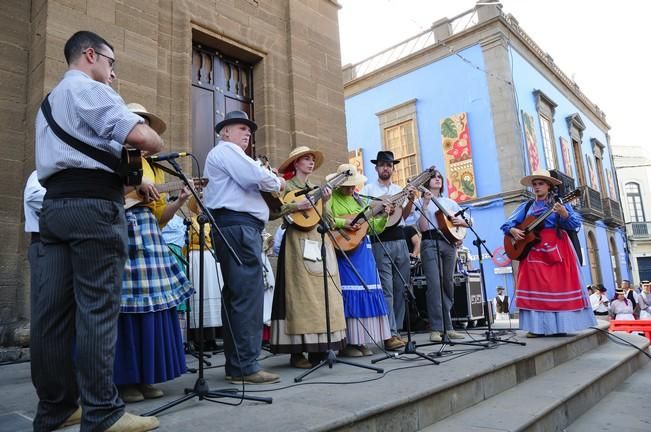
{"x": 598, "y": 43}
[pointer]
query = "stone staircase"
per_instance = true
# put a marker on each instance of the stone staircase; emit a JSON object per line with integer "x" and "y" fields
{"x": 547, "y": 391}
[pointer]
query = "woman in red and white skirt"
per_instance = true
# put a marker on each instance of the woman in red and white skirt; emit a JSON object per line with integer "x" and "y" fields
{"x": 549, "y": 292}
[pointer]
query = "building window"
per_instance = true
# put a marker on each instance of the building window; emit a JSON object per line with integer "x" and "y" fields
{"x": 400, "y": 139}
{"x": 634, "y": 201}
{"x": 398, "y": 127}
{"x": 546, "y": 109}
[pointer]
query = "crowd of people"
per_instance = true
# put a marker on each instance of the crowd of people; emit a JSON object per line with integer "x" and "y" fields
{"x": 108, "y": 283}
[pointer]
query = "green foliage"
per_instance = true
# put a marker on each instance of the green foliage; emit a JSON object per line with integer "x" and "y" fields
{"x": 448, "y": 128}
{"x": 467, "y": 187}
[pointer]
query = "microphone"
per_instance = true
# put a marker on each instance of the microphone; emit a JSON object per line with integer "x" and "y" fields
{"x": 305, "y": 190}
{"x": 166, "y": 156}
{"x": 461, "y": 212}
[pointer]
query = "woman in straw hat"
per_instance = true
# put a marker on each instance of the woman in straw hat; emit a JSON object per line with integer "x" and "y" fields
{"x": 549, "y": 292}
{"x": 298, "y": 319}
{"x": 365, "y": 311}
{"x": 149, "y": 347}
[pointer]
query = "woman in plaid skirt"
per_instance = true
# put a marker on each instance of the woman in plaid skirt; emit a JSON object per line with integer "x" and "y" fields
{"x": 149, "y": 346}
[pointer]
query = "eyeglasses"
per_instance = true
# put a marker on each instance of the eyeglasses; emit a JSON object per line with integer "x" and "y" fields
{"x": 110, "y": 60}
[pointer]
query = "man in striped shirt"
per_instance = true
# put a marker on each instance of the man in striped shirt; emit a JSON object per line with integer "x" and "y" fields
{"x": 76, "y": 295}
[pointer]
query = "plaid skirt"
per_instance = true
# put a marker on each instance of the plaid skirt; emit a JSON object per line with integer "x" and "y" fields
{"x": 153, "y": 280}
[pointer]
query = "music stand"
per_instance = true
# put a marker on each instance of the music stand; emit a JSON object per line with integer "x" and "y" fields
{"x": 331, "y": 357}
{"x": 201, "y": 389}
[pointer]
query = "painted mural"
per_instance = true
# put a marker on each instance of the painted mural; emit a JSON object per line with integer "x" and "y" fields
{"x": 591, "y": 173}
{"x": 530, "y": 137}
{"x": 611, "y": 185}
{"x": 355, "y": 157}
{"x": 457, "y": 153}
{"x": 567, "y": 162}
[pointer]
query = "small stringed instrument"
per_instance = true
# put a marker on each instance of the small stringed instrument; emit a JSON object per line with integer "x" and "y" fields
{"x": 444, "y": 219}
{"x": 531, "y": 225}
{"x": 306, "y": 220}
{"x": 347, "y": 240}
{"x": 132, "y": 199}
{"x": 399, "y": 198}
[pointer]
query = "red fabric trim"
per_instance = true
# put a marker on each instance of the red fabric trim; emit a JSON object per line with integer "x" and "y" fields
{"x": 548, "y": 278}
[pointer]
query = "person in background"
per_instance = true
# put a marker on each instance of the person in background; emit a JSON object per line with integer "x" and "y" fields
{"x": 645, "y": 301}
{"x": 501, "y": 304}
{"x": 630, "y": 294}
{"x": 412, "y": 237}
{"x": 621, "y": 308}
{"x": 599, "y": 301}
{"x": 83, "y": 233}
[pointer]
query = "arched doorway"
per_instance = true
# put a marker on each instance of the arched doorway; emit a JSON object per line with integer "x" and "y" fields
{"x": 593, "y": 257}
{"x": 614, "y": 259}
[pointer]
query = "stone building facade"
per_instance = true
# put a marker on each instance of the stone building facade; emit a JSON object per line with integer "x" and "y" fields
{"x": 188, "y": 61}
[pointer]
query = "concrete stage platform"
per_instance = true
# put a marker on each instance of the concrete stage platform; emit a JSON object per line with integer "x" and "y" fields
{"x": 545, "y": 385}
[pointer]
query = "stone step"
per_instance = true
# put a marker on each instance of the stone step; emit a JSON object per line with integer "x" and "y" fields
{"x": 627, "y": 408}
{"x": 552, "y": 400}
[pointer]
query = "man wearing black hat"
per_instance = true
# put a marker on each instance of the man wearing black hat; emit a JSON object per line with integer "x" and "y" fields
{"x": 392, "y": 247}
{"x": 233, "y": 198}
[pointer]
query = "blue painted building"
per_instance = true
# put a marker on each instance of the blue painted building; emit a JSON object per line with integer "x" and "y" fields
{"x": 519, "y": 112}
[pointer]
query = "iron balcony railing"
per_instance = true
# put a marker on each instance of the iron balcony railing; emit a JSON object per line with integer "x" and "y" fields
{"x": 590, "y": 205}
{"x": 612, "y": 212}
{"x": 638, "y": 230}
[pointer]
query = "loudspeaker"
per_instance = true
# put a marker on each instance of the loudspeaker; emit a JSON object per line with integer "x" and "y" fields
{"x": 468, "y": 299}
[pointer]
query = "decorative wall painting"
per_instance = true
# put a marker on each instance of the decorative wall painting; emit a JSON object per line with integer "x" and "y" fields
{"x": 530, "y": 138}
{"x": 591, "y": 172}
{"x": 567, "y": 161}
{"x": 457, "y": 153}
{"x": 611, "y": 185}
{"x": 355, "y": 157}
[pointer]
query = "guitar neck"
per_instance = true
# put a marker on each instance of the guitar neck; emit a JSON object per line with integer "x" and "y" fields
{"x": 171, "y": 186}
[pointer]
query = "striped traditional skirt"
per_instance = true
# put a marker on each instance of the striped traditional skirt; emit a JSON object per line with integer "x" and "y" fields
{"x": 365, "y": 311}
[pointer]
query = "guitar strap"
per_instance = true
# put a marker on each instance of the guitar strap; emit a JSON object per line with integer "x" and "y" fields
{"x": 573, "y": 235}
{"x": 103, "y": 157}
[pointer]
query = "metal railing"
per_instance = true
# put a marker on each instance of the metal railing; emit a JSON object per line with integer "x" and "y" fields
{"x": 638, "y": 230}
{"x": 590, "y": 205}
{"x": 612, "y": 212}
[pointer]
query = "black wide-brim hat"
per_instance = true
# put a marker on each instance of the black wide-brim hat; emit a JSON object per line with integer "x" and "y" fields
{"x": 236, "y": 117}
{"x": 384, "y": 156}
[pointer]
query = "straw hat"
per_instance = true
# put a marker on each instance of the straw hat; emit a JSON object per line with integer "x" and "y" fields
{"x": 155, "y": 122}
{"x": 355, "y": 180}
{"x": 619, "y": 291}
{"x": 299, "y": 152}
{"x": 539, "y": 175}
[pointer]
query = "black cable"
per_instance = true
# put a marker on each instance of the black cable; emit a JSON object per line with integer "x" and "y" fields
{"x": 623, "y": 341}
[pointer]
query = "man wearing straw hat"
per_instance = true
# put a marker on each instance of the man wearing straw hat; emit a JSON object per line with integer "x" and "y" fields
{"x": 234, "y": 200}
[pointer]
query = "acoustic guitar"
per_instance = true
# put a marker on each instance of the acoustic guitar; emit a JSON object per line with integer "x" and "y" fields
{"x": 306, "y": 220}
{"x": 132, "y": 199}
{"x": 399, "y": 198}
{"x": 532, "y": 225}
{"x": 347, "y": 240}
{"x": 450, "y": 231}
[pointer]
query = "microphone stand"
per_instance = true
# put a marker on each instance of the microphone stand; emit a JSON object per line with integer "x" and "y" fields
{"x": 410, "y": 346}
{"x": 445, "y": 339}
{"x": 331, "y": 358}
{"x": 490, "y": 336}
{"x": 201, "y": 389}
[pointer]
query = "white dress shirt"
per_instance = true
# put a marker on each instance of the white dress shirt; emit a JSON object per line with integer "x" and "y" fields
{"x": 597, "y": 304}
{"x": 377, "y": 189}
{"x": 235, "y": 181}
{"x": 451, "y": 206}
{"x": 33, "y": 201}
